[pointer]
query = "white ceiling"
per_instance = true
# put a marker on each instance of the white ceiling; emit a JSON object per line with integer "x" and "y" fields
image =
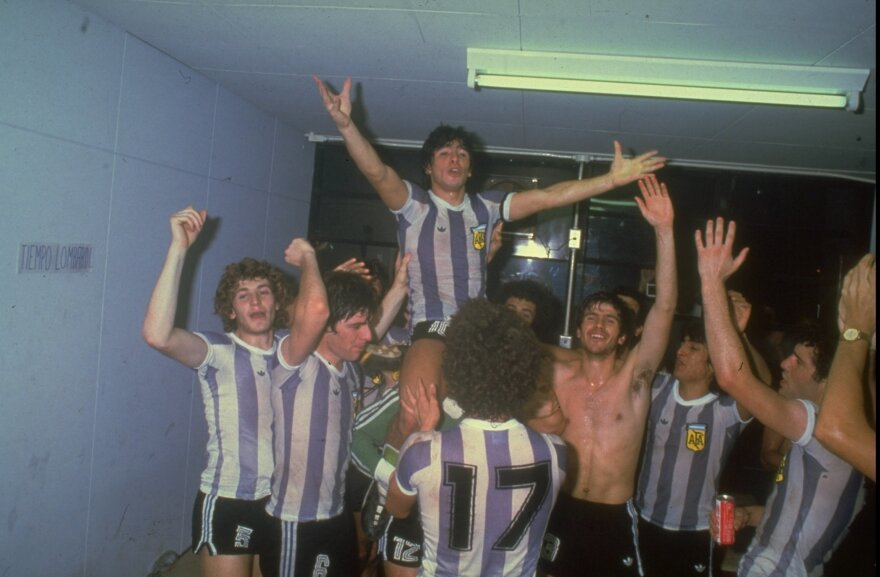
{"x": 408, "y": 58}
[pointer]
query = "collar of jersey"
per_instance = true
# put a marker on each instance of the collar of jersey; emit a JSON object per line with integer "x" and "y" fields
{"x": 330, "y": 366}
{"x": 445, "y": 204}
{"x": 704, "y": 400}
{"x": 241, "y": 343}
{"x": 490, "y": 425}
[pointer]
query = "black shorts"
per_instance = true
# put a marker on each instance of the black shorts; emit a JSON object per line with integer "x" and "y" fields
{"x": 327, "y": 548}
{"x": 582, "y": 534}
{"x": 435, "y": 330}
{"x": 357, "y": 483}
{"x": 668, "y": 553}
{"x": 230, "y": 526}
{"x": 401, "y": 543}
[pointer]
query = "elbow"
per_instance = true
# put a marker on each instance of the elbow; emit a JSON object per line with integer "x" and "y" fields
{"x": 153, "y": 339}
{"x": 315, "y": 309}
{"x": 829, "y": 434}
{"x": 726, "y": 378}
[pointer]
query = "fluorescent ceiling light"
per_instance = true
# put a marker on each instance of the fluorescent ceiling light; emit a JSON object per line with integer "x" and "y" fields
{"x": 781, "y": 84}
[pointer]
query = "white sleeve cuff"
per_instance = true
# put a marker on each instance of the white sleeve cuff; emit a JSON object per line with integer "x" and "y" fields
{"x": 811, "y": 423}
{"x": 383, "y": 471}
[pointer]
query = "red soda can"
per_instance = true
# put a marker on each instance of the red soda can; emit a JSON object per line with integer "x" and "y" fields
{"x": 722, "y": 518}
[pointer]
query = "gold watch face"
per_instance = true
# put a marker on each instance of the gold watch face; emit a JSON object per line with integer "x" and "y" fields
{"x": 851, "y": 334}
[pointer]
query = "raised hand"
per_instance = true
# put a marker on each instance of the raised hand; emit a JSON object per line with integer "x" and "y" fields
{"x": 401, "y": 275}
{"x": 186, "y": 226}
{"x": 715, "y": 256}
{"x": 655, "y": 204}
{"x": 741, "y": 308}
{"x": 495, "y": 241}
{"x": 858, "y": 297}
{"x": 421, "y": 406}
{"x": 338, "y": 105}
{"x": 355, "y": 266}
{"x": 298, "y": 249}
{"x": 625, "y": 170}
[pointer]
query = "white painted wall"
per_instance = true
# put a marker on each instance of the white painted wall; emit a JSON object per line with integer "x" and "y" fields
{"x": 102, "y": 137}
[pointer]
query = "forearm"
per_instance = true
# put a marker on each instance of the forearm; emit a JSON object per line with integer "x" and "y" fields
{"x": 729, "y": 358}
{"x": 388, "y": 309}
{"x": 843, "y": 412}
{"x": 658, "y": 322}
{"x": 560, "y": 194}
{"x": 311, "y": 300}
{"x": 667, "y": 271}
{"x": 162, "y": 307}
{"x": 381, "y": 176}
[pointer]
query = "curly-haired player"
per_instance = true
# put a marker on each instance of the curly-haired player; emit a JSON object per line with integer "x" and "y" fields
{"x": 248, "y": 269}
{"x": 486, "y": 487}
{"x": 230, "y": 526}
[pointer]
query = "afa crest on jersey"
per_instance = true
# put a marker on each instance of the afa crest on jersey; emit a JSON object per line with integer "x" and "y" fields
{"x": 479, "y": 235}
{"x": 696, "y": 437}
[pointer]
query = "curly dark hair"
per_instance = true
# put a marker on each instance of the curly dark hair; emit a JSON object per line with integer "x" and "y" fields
{"x": 492, "y": 360}
{"x": 627, "y": 318}
{"x": 547, "y": 306}
{"x": 443, "y": 135}
{"x": 249, "y": 269}
{"x": 347, "y": 295}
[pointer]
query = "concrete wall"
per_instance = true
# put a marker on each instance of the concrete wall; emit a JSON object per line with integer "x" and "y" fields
{"x": 102, "y": 137}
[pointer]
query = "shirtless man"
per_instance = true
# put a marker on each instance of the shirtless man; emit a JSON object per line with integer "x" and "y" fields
{"x": 606, "y": 400}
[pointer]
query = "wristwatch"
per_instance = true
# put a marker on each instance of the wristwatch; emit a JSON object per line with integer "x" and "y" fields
{"x": 852, "y": 334}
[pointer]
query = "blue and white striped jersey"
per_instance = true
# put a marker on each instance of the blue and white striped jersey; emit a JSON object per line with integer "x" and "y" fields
{"x": 449, "y": 245}
{"x": 313, "y": 409}
{"x": 686, "y": 446}
{"x": 485, "y": 492}
{"x": 235, "y": 383}
{"x": 816, "y": 497}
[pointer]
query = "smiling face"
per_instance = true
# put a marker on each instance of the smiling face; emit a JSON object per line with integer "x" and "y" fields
{"x": 449, "y": 169}
{"x": 253, "y": 308}
{"x": 600, "y": 332}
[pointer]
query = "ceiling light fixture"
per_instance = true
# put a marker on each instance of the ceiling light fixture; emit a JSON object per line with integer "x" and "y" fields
{"x": 781, "y": 84}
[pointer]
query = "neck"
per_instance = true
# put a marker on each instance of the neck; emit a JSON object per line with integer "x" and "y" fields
{"x": 692, "y": 389}
{"x": 328, "y": 355}
{"x": 259, "y": 340}
{"x": 598, "y": 368}
{"x": 453, "y": 197}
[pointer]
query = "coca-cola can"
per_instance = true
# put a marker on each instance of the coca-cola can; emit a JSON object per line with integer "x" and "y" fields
{"x": 722, "y": 518}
